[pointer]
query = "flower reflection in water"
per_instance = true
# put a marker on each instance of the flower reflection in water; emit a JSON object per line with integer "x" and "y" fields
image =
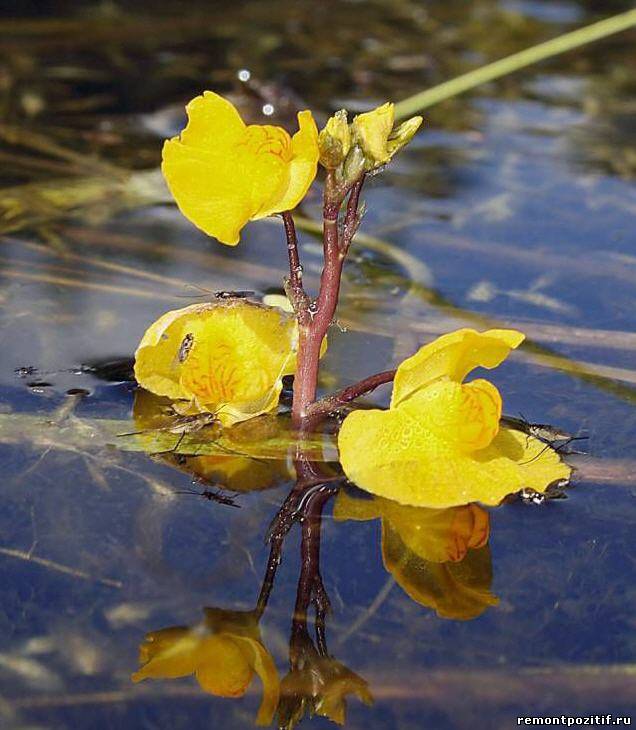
{"x": 223, "y": 652}
{"x": 440, "y": 557}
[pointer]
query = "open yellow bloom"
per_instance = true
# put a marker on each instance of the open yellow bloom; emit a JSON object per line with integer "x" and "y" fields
{"x": 440, "y": 443}
{"x": 224, "y": 173}
{"x": 440, "y": 557}
{"x": 224, "y": 653}
{"x": 374, "y": 132}
{"x": 226, "y": 357}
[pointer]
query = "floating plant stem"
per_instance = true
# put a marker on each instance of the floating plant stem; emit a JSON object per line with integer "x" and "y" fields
{"x": 516, "y": 61}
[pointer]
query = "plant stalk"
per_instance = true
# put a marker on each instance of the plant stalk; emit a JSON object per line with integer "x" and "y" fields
{"x": 312, "y": 330}
{"x": 516, "y": 61}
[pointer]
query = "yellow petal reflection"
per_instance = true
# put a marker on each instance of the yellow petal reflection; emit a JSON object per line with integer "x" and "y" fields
{"x": 458, "y": 591}
{"x": 226, "y": 357}
{"x": 223, "y": 652}
{"x": 223, "y": 173}
{"x": 440, "y": 558}
{"x": 440, "y": 444}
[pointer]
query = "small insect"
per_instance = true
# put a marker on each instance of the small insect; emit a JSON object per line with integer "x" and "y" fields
{"x": 181, "y": 426}
{"x": 542, "y": 431}
{"x": 212, "y": 496}
{"x": 233, "y": 294}
{"x": 210, "y": 296}
{"x": 185, "y": 347}
{"x": 550, "y": 436}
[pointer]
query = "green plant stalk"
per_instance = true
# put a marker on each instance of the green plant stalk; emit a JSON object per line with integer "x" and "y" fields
{"x": 516, "y": 61}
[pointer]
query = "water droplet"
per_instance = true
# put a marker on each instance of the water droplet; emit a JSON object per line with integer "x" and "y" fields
{"x": 244, "y": 75}
{"x": 268, "y": 110}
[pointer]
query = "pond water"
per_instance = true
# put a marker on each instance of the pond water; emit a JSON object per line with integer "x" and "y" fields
{"x": 515, "y": 206}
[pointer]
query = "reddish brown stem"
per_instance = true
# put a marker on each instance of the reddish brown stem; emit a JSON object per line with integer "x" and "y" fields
{"x": 294, "y": 283}
{"x": 323, "y": 407}
{"x": 312, "y": 333}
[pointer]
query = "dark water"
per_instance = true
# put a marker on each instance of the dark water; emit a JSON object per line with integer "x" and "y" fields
{"x": 516, "y": 203}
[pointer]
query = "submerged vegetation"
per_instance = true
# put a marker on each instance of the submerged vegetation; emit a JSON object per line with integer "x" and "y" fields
{"x": 256, "y": 399}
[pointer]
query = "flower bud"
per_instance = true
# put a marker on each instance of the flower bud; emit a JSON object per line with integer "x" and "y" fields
{"x": 374, "y": 132}
{"x": 334, "y": 141}
{"x": 354, "y": 165}
{"x": 371, "y": 131}
{"x": 403, "y": 134}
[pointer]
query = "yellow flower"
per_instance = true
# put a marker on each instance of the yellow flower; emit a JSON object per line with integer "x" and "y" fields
{"x": 227, "y": 357}
{"x": 224, "y": 173}
{"x": 374, "y": 132}
{"x": 440, "y": 557}
{"x": 440, "y": 443}
{"x": 223, "y": 652}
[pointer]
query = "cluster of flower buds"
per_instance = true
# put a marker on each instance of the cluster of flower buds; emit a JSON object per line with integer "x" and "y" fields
{"x": 367, "y": 143}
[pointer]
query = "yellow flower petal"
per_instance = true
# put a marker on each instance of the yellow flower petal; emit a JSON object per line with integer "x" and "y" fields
{"x": 156, "y": 357}
{"x": 302, "y": 167}
{"x": 206, "y": 189}
{"x": 467, "y": 416}
{"x": 223, "y": 174}
{"x": 223, "y": 653}
{"x": 333, "y": 703}
{"x": 439, "y": 444}
{"x": 405, "y": 461}
{"x": 213, "y": 123}
{"x": 452, "y": 357}
{"x": 236, "y": 356}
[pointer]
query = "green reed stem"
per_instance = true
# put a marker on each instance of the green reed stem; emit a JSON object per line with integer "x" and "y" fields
{"x": 504, "y": 66}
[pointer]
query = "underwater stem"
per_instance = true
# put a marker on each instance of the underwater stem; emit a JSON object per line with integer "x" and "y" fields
{"x": 274, "y": 560}
{"x": 310, "y": 586}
